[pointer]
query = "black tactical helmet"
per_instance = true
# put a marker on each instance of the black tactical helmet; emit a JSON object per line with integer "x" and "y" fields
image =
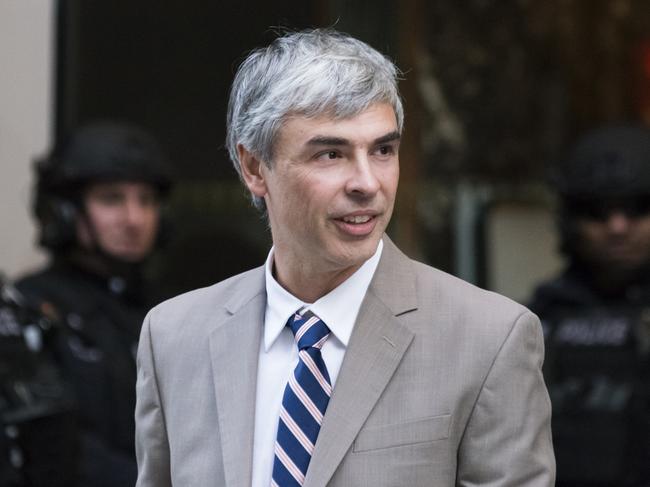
{"x": 608, "y": 168}
{"x": 101, "y": 151}
{"x": 107, "y": 151}
{"x": 610, "y": 162}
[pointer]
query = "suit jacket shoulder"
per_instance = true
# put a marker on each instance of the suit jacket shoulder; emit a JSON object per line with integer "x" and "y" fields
{"x": 440, "y": 299}
{"x": 477, "y": 306}
{"x": 197, "y": 359}
{"x": 193, "y": 311}
{"x": 464, "y": 402}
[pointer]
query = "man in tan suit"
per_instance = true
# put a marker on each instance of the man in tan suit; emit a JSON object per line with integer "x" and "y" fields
{"x": 402, "y": 375}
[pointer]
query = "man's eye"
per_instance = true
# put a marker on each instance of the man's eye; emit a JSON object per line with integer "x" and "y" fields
{"x": 330, "y": 155}
{"x": 110, "y": 198}
{"x": 148, "y": 199}
{"x": 385, "y": 150}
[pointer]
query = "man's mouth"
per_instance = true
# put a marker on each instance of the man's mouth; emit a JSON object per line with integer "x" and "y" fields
{"x": 357, "y": 219}
{"x": 357, "y": 225}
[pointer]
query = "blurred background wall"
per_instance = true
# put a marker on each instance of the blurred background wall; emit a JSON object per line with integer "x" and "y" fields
{"x": 494, "y": 89}
{"x": 26, "y": 106}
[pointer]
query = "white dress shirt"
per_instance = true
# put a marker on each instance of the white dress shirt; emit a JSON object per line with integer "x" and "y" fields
{"x": 278, "y": 354}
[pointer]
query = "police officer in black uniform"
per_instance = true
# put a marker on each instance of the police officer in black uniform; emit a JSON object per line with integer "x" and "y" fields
{"x": 98, "y": 202}
{"x": 38, "y": 435}
{"x": 596, "y": 314}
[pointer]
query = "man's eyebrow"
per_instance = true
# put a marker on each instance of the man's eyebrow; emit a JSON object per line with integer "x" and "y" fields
{"x": 339, "y": 141}
{"x": 326, "y": 140}
{"x": 395, "y": 135}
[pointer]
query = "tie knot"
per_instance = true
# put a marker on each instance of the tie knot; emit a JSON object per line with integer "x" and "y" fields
{"x": 308, "y": 330}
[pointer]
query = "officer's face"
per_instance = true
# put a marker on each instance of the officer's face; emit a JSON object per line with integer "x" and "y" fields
{"x": 616, "y": 242}
{"x": 121, "y": 218}
{"x": 329, "y": 193}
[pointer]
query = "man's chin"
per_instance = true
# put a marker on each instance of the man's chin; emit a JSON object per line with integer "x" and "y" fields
{"x": 624, "y": 263}
{"x": 129, "y": 256}
{"x": 357, "y": 252}
{"x": 619, "y": 272}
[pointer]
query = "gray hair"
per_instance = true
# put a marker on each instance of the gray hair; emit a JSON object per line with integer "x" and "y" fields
{"x": 308, "y": 73}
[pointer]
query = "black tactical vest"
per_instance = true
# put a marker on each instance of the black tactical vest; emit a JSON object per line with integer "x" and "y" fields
{"x": 38, "y": 436}
{"x": 597, "y": 370}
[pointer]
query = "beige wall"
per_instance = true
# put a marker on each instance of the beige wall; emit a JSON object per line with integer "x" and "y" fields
{"x": 521, "y": 249}
{"x": 26, "y": 73}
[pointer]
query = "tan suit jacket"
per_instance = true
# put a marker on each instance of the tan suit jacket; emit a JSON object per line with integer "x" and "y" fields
{"x": 440, "y": 386}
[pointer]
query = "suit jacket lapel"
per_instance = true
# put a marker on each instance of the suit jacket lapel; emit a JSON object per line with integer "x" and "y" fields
{"x": 234, "y": 347}
{"x": 376, "y": 347}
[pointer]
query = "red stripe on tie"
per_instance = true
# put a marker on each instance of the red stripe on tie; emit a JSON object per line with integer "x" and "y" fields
{"x": 305, "y": 399}
{"x": 318, "y": 375}
{"x": 296, "y": 431}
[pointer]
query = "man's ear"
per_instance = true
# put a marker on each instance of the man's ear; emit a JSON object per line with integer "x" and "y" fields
{"x": 252, "y": 170}
{"x": 84, "y": 233}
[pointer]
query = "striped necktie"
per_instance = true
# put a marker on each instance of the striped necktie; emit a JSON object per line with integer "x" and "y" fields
{"x": 303, "y": 403}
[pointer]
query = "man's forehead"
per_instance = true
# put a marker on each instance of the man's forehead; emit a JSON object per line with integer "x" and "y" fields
{"x": 377, "y": 123}
{"x": 119, "y": 184}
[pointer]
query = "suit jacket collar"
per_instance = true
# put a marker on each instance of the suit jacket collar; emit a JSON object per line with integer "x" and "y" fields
{"x": 394, "y": 282}
{"x": 377, "y": 345}
{"x": 234, "y": 348}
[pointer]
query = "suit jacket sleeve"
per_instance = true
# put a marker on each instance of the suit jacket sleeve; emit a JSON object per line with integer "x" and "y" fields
{"x": 151, "y": 445}
{"x": 507, "y": 441}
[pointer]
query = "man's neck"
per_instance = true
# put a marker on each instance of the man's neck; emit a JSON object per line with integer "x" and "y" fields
{"x": 307, "y": 284}
{"x": 609, "y": 282}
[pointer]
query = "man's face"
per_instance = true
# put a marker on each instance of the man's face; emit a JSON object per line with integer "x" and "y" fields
{"x": 121, "y": 218}
{"x": 331, "y": 189}
{"x": 616, "y": 242}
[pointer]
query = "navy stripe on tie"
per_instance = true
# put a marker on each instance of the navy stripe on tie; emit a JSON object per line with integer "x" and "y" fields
{"x": 302, "y": 417}
{"x": 291, "y": 443}
{"x": 282, "y": 477}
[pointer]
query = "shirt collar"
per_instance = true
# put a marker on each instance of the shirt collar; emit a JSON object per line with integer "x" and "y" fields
{"x": 338, "y": 308}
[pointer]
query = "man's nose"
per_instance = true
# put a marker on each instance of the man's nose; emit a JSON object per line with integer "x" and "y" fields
{"x": 134, "y": 211}
{"x": 618, "y": 222}
{"x": 363, "y": 180}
